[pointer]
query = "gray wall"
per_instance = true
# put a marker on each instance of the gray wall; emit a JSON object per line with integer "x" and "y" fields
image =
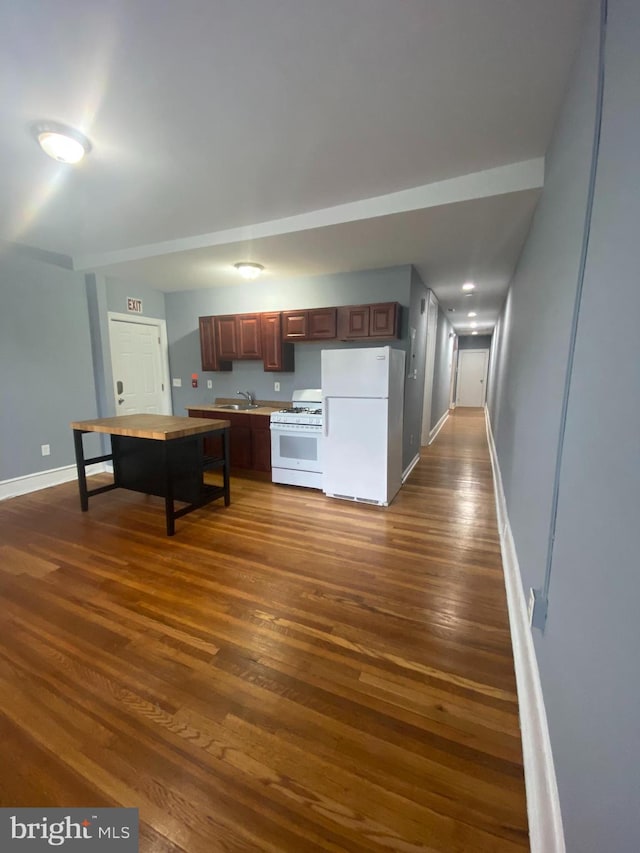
{"x": 442, "y": 368}
{"x": 533, "y": 333}
{"x": 588, "y": 652}
{"x": 474, "y": 342}
{"x": 46, "y": 375}
{"x": 183, "y": 309}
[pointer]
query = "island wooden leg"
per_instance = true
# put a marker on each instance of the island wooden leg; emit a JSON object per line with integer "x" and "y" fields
{"x": 227, "y": 465}
{"x": 168, "y": 495}
{"x": 80, "y": 465}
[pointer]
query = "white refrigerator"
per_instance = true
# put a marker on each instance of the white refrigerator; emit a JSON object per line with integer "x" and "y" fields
{"x": 363, "y": 395}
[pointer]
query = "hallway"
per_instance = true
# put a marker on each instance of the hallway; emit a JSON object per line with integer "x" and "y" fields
{"x": 292, "y": 673}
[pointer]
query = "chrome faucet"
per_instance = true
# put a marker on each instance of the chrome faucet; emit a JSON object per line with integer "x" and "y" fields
{"x": 248, "y": 395}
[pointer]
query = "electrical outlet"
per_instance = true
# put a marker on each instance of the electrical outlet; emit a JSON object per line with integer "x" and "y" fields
{"x": 177, "y": 383}
{"x": 46, "y": 449}
{"x": 276, "y": 386}
{"x": 209, "y": 384}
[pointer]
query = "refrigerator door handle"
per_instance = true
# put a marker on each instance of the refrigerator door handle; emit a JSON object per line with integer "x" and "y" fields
{"x": 325, "y": 416}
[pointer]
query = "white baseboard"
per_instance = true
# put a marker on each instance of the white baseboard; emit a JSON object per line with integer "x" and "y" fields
{"x": 43, "y": 480}
{"x": 434, "y": 432}
{"x": 546, "y": 834}
{"x": 410, "y": 467}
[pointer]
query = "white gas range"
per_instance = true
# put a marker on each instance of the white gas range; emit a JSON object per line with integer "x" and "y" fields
{"x": 296, "y": 441}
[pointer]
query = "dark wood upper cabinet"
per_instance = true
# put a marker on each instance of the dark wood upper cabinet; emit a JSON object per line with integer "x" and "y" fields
{"x": 238, "y": 336}
{"x": 379, "y": 321}
{"x": 314, "y": 324}
{"x": 277, "y": 355}
{"x": 208, "y": 349}
{"x": 295, "y": 325}
{"x": 270, "y": 336}
{"x": 322, "y": 323}
{"x": 226, "y": 337}
{"x": 249, "y": 336}
{"x": 353, "y": 322}
{"x": 384, "y": 320}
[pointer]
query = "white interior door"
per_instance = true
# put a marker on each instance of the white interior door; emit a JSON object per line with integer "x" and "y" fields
{"x": 137, "y": 362}
{"x": 472, "y": 377}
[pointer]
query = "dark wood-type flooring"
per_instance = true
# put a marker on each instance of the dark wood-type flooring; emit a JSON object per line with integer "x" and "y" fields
{"x": 292, "y": 673}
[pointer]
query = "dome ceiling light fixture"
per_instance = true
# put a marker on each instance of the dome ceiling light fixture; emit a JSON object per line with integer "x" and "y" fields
{"x": 62, "y": 143}
{"x": 248, "y": 269}
{"x": 469, "y": 285}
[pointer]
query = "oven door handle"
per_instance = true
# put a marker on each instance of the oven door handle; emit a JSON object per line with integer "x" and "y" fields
{"x": 325, "y": 416}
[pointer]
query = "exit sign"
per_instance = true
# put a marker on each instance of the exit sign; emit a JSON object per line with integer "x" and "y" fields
{"x": 134, "y": 305}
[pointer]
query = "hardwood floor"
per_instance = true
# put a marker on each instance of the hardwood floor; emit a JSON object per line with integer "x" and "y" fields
{"x": 292, "y": 673}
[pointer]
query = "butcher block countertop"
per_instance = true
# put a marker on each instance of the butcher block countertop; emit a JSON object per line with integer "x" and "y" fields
{"x": 158, "y": 427}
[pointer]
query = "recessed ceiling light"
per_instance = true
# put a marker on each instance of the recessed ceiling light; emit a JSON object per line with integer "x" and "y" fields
{"x": 474, "y": 333}
{"x": 473, "y": 325}
{"x": 469, "y": 286}
{"x": 249, "y": 270}
{"x": 62, "y": 143}
{"x": 472, "y": 314}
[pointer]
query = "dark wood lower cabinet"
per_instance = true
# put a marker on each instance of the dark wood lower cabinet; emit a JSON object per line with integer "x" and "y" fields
{"x": 249, "y": 443}
{"x": 260, "y": 443}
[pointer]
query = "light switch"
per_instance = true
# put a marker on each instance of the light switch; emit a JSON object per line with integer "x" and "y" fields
{"x": 177, "y": 383}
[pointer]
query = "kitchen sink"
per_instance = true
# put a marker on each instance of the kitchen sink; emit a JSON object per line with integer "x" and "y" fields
{"x": 239, "y": 407}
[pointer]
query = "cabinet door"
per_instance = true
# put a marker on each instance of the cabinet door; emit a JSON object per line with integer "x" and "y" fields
{"x": 353, "y": 322}
{"x": 208, "y": 351}
{"x": 384, "y": 320}
{"x": 226, "y": 337}
{"x": 295, "y": 325}
{"x": 249, "y": 336}
{"x": 261, "y": 442}
{"x": 322, "y": 323}
{"x": 277, "y": 355}
{"x": 239, "y": 439}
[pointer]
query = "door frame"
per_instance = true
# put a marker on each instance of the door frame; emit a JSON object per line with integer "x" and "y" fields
{"x": 429, "y": 367}
{"x": 485, "y": 352}
{"x": 161, "y": 326}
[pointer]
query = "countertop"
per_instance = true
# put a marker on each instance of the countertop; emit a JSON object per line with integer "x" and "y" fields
{"x": 215, "y": 407}
{"x": 158, "y": 427}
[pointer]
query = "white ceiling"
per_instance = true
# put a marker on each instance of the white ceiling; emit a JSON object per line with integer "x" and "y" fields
{"x": 311, "y": 136}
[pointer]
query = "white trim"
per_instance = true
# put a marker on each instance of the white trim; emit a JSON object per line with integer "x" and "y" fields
{"x": 44, "y": 479}
{"x": 161, "y": 325}
{"x": 546, "y": 834}
{"x": 434, "y": 432}
{"x": 410, "y": 467}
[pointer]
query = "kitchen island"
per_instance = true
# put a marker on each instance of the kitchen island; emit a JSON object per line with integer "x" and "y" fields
{"x": 158, "y": 455}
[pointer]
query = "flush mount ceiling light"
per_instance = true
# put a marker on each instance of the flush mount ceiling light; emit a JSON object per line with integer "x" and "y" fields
{"x": 64, "y": 144}
{"x": 249, "y": 270}
{"x": 472, "y": 314}
{"x": 469, "y": 286}
{"x": 474, "y": 333}
{"x": 473, "y": 325}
